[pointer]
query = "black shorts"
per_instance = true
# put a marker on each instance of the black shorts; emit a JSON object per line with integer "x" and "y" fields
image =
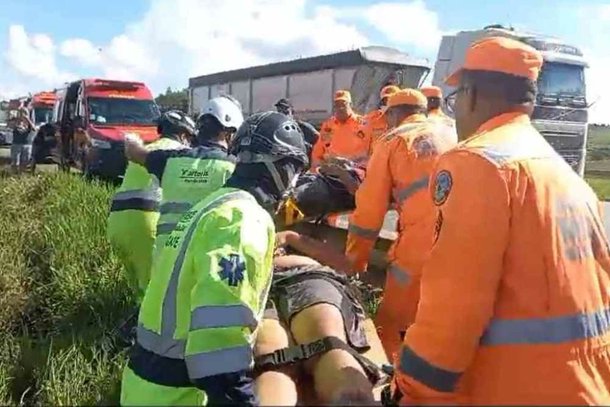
{"x": 297, "y": 288}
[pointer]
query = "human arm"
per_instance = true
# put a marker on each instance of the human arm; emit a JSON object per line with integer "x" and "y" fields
{"x": 460, "y": 280}
{"x": 317, "y": 250}
{"x": 372, "y": 202}
{"x": 232, "y": 278}
{"x": 135, "y": 150}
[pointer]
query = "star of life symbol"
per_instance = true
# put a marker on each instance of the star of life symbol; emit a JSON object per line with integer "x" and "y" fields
{"x": 232, "y": 269}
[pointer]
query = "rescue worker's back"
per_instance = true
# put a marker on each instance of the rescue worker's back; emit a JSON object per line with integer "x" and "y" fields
{"x": 515, "y": 298}
{"x": 399, "y": 170}
{"x": 540, "y": 308}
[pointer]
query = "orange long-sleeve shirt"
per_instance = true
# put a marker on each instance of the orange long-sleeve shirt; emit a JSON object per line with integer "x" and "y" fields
{"x": 515, "y": 299}
{"x": 374, "y": 126}
{"x": 400, "y": 167}
{"x": 342, "y": 139}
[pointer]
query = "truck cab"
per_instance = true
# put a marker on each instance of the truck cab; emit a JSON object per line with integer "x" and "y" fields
{"x": 93, "y": 117}
{"x": 41, "y": 108}
{"x": 560, "y": 113}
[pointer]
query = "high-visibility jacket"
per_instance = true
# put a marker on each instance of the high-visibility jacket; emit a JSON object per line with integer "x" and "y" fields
{"x": 204, "y": 301}
{"x": 186, "y": 177}
{"x": 343, "y": 139}
{"x": 515, "y": 299}
{"x": 374, "y": 126}
{"x": 134, "y": 213}
{"x": 399, "y": 170}
{"x": 437, "y": 115}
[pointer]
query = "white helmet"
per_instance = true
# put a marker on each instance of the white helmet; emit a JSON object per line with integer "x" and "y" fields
{"x": 226, "y": 109}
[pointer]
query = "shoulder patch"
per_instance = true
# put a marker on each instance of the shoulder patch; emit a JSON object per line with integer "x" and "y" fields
{"x": 232, "y": 269}
{"x": 442, "y": 187}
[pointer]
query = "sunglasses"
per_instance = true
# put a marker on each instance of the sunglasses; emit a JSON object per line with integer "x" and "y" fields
{"x": 452, "y": 97}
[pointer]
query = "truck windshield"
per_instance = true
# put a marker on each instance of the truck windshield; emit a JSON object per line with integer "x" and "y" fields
{"x": 122, "y": 111}
{"x": 561, "y": 80}
{"x": 42, "y": 114}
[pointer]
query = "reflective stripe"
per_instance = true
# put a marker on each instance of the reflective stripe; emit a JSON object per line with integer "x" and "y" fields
{"x": 165, "y": 346}
{"x": 401, "y": 275}
{"x": 363, "y": 232}
{"x": 424, "y": 372}
{"x": 166, "y": 228}
{"x": 222, "y": 316}
{"x": 220, "y": 361}
{"x": 175, "y": 207}
{"x": 168, "y": 312}
{"x": 405, "y": 193}
{"x": 134, "y": 204}
{"x": 153, "y": 194}
{"x": 548, "y": 330}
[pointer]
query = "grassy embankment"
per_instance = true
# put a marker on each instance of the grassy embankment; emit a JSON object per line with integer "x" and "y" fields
{"x": 62, "y": 293}
{"x": 598, "y": 161}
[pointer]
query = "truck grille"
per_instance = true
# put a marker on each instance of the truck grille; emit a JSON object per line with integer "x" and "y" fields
{"x": 560, "y": 114}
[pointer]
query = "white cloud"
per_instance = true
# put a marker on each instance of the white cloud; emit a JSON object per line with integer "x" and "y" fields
{"x": 33, "y": 56}
{"x": 82, "y": 50}
{"x": 409, "y": 23}
{"x": 204, "y": 36}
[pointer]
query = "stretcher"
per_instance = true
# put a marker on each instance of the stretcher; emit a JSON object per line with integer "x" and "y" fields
{"x": 375, "y": 354}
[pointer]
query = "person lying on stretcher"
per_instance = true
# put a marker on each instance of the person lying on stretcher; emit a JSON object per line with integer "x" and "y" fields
{"x": 313, "y": 305}
{"x": 330, "y": 190}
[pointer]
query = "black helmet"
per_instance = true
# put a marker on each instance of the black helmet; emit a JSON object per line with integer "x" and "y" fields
{"x": 268, "y": 137}
{"x": 175, "y": 122}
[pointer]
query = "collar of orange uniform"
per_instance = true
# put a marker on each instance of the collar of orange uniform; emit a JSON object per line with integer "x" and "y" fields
{"x": 505, "y": 118}
{"x": 414, "y": 118}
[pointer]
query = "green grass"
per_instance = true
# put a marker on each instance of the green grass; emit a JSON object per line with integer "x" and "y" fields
{"x": 601, "y": 186}
{"x": 63, "y": 292}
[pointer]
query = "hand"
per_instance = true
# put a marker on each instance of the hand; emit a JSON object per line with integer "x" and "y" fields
{"x": 134, "y": 149}
{"x": 283, "y": 239}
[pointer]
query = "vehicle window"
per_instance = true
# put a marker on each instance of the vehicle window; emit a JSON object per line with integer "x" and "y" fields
{"x": 42, "y": 114}
{"x": 122, "y": 111}
{"x": 557, "y": 79}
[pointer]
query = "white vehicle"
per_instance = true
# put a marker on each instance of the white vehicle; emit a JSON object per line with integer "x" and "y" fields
{"x": 560, "y": 114}
{"x": 311, "y": 82}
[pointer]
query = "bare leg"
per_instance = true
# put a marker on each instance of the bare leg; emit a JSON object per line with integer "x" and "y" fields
{"x": 338, "y": 377}
{"x": 275, "y": 387}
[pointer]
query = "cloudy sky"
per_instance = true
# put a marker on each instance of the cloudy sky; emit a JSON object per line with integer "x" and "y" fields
{"x": 164, "y": 42}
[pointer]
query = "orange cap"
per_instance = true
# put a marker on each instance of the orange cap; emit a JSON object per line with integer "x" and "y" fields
{"x": 343, "y": 95}
{"x": 432, "y": 92}
{"x": 411, "y": 97}
{"x": 388, "y": 90}
{"x": 500, "y": 54}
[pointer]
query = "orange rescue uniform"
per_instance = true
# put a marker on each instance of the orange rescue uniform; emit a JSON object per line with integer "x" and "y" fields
{"x": 399, "y": 170}
{"x": 515, "y": 298}
{"x": 437, "y": 115}
{"x": 374, "y": 126}
{"x": 342, "y": 139}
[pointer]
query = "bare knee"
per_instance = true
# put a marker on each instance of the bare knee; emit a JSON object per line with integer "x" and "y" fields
{"x": 273, "y": 336}
{"x": 276, "y": 386}
{"x": 337, "y": 374}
